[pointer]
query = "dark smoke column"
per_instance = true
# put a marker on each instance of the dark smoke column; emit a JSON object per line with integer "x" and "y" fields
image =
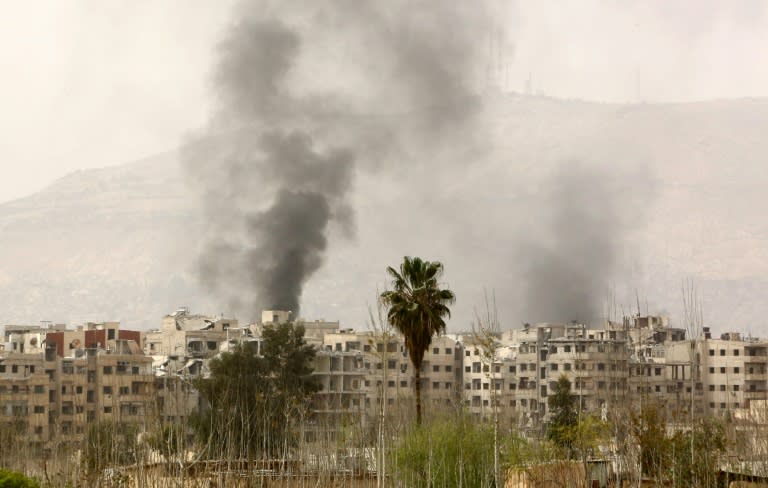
{"x": 269, "y": 194}
{"x": 306, "y": 94}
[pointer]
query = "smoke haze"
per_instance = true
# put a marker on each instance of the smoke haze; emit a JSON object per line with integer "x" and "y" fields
{"x": 585, "y": 216}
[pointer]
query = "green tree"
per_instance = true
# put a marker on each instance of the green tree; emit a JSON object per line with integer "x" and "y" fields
{"x": 417, "y": 308}
{"x": 650, "y": 431}
{"x": 446, "y": 452}
{"x": 695, "y": 461}
{"x": 255, "y": 399}
{"x": 565, "y": 418}
{"x": 12, "y": 479}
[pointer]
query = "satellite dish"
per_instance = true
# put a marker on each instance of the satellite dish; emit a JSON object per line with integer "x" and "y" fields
{"x": 33, "y": 341}
{"x": 74, "y": 344}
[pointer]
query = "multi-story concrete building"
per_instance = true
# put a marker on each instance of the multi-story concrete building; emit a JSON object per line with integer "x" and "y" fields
{"x": 65, "y": 379}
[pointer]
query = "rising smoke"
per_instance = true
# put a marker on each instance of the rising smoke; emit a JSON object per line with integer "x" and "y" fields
{"x": 585, "y": 214}
{"x": 308, "y": 94}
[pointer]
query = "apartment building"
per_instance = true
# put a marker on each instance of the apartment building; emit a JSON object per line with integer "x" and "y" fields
{"x": 489, "y": 377}
{"x": 55, "y": 381}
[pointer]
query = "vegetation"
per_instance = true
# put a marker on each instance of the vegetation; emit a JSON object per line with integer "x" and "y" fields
{"x": 256, "y": 400}
{"x": 11, "y": 479}
{"x": 170, "y": 441}
{"x": 565, "y": 418}
{"x": 417, "y": 308}
{"x": 108, "y": 444}
{"x": 689, "y": 456}
{"x": 446, "y": 452}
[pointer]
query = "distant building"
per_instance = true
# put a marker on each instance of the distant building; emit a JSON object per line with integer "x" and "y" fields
{"x": 55, "y": 381}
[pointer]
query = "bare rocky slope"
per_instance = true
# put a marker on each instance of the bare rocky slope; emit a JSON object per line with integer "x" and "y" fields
{"x": 120, "y": 242}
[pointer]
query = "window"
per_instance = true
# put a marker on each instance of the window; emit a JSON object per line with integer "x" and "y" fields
{"x": 14, "y": 369}
{"x": 736, "y": 370}
{"x": 712, "y": 353}
{"x": 553, "y": 350}
{"x": 712, "y": 370}
{"x": 711, "y": 387}
{"x": 435, "y": 385}
{"x": 600, "y": 367}
{"x": 567, "y": 366}
{"x": 391, "y": 363}
{"x": 107, "y": 409}
{"x": 124, "y": 390}
{"x": 107, "y": 369}
{"x": 448, "y": 368}
{"x": 79, "y": 390}
{"x": 485, "y": 368}
{"x": 435, "y": 350}
{"x": 722, "y": 387}
{"x": 567, "y": 348}
{"x": 39, "y": 389}
{"x": 485, "y": 386}
{"x": 658, "y": 389}
{"x": 722, "y": 370}
{"x": 448, "y": 385}
{"x": 467, "y": 369}
{"x": 404, "y": 383}
{"x": 436, "y": 368}
{"x": 553, "y": 366}
{"x": 511, "y": 369}
{"x": 466, "y": 353}
{"x": 367, "y": 348}
{"x": 448, "y": 350}
{"x": 2, "y": 368}
{"x": 39, "y": 409}
{"x": 391, "y": 383}
{"x": 467, "y": 386}
{"x": 735, "y": 387}
{"x": 512, "y": 386}
{"x": 735, "y": 352}
{"x": 722, "y": 352}
{"x": 107, "y": 390}
{"x": 657, "y": 371}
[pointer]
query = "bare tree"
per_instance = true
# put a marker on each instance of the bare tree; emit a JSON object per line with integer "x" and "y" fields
{"x": 485, "y": 334}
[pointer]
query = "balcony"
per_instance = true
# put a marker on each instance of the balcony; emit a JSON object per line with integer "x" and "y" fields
{"x": 756, "y": 376}
{"x": 756, "y": 394}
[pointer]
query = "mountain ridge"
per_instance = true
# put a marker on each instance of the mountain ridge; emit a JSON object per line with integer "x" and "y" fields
{"x": 119, "y": 242}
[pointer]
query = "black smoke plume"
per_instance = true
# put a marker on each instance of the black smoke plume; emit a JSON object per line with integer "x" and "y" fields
{"x": 307, "y": 93}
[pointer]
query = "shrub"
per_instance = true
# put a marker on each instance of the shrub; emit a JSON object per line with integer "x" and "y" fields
{"x": 12, "y": 479}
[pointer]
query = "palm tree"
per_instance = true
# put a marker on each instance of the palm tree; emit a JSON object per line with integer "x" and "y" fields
{"x": 417, "y": 307}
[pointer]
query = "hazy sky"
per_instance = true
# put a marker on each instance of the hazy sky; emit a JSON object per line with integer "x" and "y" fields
{"x": 94, "y": 83}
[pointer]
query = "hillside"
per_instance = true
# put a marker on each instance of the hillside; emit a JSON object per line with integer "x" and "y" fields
{"x": 120, "y": 242}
